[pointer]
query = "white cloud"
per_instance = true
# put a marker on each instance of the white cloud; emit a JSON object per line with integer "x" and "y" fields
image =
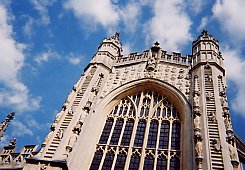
{"x": 203, "y": 24}
{"x": 27, "y": 29}
{"x": 170, "y": 25}
{"x": 93, "y": 11}
{"x": 196, "y": 5}
{"x": 41, "y": 6}
{"x": 13, "y": 92}
{"x": 235, "y": 66}
{"x": 130, "y": 15}
{"x": 231, "y": 14}
{"x": 20, "y": 129}
{"x": 74, "y": 60}
{"x": 46, "y": 56}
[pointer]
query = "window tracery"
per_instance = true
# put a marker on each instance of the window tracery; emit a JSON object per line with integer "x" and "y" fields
{"x": 143, "y": 128}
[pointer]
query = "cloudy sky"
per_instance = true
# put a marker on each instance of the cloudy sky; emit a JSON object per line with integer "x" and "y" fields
{"x": 45, "y": 45}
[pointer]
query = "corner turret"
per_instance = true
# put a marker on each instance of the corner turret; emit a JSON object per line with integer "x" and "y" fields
{"x": 206, "y": 49}
{"x": 109, "y": 49}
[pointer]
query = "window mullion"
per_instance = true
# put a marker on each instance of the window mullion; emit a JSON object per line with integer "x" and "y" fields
{"x": 169, "y": 142}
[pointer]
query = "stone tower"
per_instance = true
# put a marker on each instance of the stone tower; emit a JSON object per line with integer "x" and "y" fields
{"x": 152, "y": 110}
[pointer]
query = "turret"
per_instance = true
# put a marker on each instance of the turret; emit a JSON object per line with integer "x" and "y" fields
{"x": 109, "y": 49}
{"x": 206, "y": 49}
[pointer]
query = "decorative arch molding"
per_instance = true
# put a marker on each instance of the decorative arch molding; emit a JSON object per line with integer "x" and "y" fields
{"x": 174, "y": 95}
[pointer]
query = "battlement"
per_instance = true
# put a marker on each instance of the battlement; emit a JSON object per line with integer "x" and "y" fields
{"x": 175, "y": 57}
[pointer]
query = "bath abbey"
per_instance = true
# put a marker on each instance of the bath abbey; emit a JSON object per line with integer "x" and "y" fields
{"x": 148, "y": 110}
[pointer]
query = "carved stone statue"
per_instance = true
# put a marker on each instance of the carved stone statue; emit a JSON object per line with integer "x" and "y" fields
{"x": 209, "y": 95}
{"x": 196, "y": 101}
{"x": 217, "y": 144}
{"x": 233, "y": 153}
{"x": 227, "y": 124}
{"x": 151, "y": 64}
{"x": 198, "y": 149}
{"x": 60, "y": 134}
{"x": 211, "y": 116}
{"x": 197, "y": 122}
{"x": 71, "y": 142}
{"x": 77, "y": 128}
{"x": 224, "y": 102}
{"x": 72, "y": 110}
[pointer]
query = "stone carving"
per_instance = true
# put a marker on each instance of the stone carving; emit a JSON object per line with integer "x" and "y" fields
{"x": 57, "y": 119}
{"x": 197, "y": 122}
{"x": 198, "y": 149}
{"x": 181, "y": 76}
{"x": 217, "y": 144}
{"x": 60, "y": 133}
{"x": 72, "y": 110}
{"x": 151, "y": 63}
{"x": 196, "y": 101}
{"x": 224, "y": 102}
{"x": 228, "y": 123}
{"x": 43, "y": 167}
{"x": 88, "y": 104}
{"x": 173, "y": 70}
{"x": 233, "y": 153}
{"x": 209, "y": 95}
{"x": 71, "y": 142}
{"x": 12, "y": 142}
{"x": 167, "y": 69}
{"x": 77, "y": 128}
{"x": 209, "y": 78}
{"x": 211, "y": 116}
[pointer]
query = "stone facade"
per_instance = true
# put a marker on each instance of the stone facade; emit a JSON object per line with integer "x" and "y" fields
{"x": 150, "y": 110}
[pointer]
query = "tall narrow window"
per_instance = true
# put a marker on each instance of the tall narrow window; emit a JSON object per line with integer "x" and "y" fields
{"x": 139, "y": 137}
{"x": 108, "y": 160}
{"x": 175, "y": 141}
{"x": 96, "y": 160}
{"x": 164, "y": 135}
{"x": 161, "y": 162}
{"x": 127, "y": 132}
{"x": 149, "y": 162}
{"x": 152, "y": 137}
{"x": 117, "y": 131}
{"x": 134, "y": 161}
{"x": 174, "y": 163}
{"x": 121, "y": 159}
{"x": 106, "y": 131}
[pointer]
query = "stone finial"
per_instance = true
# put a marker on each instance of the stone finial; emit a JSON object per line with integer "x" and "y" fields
{"x": 116, "y": 36}
{"x": 12, "y": 142}
{"x": 204, "y": 32}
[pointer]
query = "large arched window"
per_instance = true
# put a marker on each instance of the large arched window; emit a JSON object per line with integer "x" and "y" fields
{"x": 141, "y": 132}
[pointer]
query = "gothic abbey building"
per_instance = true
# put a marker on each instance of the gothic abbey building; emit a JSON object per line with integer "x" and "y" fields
{"x": 148, "y": 111}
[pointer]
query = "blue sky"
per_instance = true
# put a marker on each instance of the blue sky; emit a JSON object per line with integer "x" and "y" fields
{"x": 45, "y": 45}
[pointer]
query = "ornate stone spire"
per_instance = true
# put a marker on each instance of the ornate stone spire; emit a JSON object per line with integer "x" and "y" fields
{"x": 5, "y": 123}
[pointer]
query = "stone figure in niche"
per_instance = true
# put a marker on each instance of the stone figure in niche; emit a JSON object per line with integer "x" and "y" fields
{"x": 65, "y": 105}
{"x": 60, "y": 133}
{"x": 89, "y": 101}
{"x": 196, "y": 101}
{"x": 57, "y": 119}
{"x": 209, "y": 95}
{"x": 72, "y": 110}
{"x": 198, "y": 149}
{"x": 151, "y": 63}
{"x": 233, "y": 153}
{"x": 217, "y": 144}
{"x": 224, "y": 102}
{"x": 209, "y": 78}
{"x": 197, "y": 122}
{"x": 227, "y": 124}
{"x": 77, "y": 128}
{"x": 211, "y": 116}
